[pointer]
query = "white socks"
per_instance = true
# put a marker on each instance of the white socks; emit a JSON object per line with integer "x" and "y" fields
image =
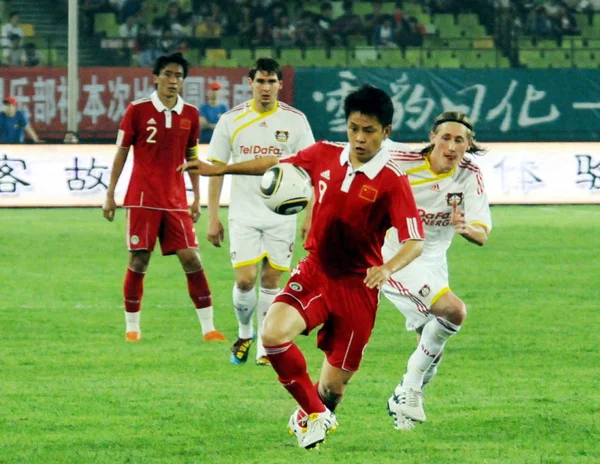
{"x": 265, "y": 300}
{"x": 132, "y": 322}
{"x": 433, "y": 339}
{"x": 243, "y": 305}
{"x": 206, "y": 319}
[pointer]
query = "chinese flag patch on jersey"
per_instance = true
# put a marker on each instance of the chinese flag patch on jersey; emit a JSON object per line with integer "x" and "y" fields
{"x": 185, "y": 124}
{"x": 368, "y": 193}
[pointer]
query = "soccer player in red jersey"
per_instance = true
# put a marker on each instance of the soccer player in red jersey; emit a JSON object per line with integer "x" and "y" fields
{"x": 359, "y": 194}
{"x": 163, "y": 131}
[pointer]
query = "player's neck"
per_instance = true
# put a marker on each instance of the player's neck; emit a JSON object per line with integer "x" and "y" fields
{"x": 169, "y": 102}
{"x": 262, "y": 108}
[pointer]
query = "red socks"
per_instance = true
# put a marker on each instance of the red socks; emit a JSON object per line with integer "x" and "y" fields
{"x": 133, "y": 289}
{"x": 198, "y": 289}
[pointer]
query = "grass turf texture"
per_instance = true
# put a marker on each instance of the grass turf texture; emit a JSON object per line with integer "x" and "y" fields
{"x": 518, "y": 385}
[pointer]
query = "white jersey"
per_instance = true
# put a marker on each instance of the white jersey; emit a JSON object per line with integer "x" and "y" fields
{"x": 435, "y": 194}
{"x": 243, "y": 134}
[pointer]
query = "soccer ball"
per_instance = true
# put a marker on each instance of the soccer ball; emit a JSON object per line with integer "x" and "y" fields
{"x": 286, "y": 189}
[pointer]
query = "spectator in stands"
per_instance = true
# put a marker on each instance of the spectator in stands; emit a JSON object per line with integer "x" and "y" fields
{"x": 260, "y": 35}
{"x": 31, "y": 56}
{"x": 208, "y": 27}
{"x": 325, "y": 24}
{"x": 284, "y": 34}
{"x": 177, "y": 21}
{"x": 385, "y": 34}
{"x": 12, "y": 27}
{"x": 211, "y": 112}
{"x": 129, "y": 29}
{"x": 307, "y": 31}
{"x": 276, "y": 11}
{"x": 410, "y": 33}
{"x": 245, "y": 24}
{"x": 14, "y": 124}
{"x": 374, "y": 20}
{"x": 348, "y": 23}
{"x": 13, "y": 55}
{"x": 130, "y": 8}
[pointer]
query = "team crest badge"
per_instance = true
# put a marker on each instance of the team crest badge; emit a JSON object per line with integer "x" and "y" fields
{"x": 425, "y": 291}
{"x": 296, "y": 286}
{"x": 454, "y": 197}
{"x": 281, "y": 135}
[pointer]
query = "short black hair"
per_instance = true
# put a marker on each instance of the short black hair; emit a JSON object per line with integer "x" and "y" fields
{"x": 371, "y": 101}
{"x": 266, "y": 65}
{"x": 163, "y": 61}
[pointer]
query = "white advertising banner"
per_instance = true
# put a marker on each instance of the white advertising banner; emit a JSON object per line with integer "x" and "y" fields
{"x": 514, "y": 173}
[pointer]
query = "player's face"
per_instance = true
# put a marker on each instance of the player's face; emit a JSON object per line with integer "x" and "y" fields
{"x": 265, "y": 88}
{"x": 365, "y": 134}
{"x": 170, "y": 80}
{"x": 450, "y": 142}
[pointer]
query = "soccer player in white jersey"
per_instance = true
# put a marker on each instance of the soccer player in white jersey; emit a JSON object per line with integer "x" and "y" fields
{"x": 260, "y": 127}
{"x": 448, "y": 189}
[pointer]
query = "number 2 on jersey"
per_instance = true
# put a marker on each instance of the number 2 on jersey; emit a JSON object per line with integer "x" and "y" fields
{"x": 153, "y": 130}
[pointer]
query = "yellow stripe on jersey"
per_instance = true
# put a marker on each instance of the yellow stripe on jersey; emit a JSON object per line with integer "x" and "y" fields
{"x": 427, "y": 167}
{"x": 212, "y": 160}
{"x": 249, "y": 123}
{"x": 192, "y": 153}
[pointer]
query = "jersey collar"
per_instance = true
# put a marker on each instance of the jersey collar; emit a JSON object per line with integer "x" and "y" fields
{"x": 372, "y": 167}
{"x": 178, "y": 108}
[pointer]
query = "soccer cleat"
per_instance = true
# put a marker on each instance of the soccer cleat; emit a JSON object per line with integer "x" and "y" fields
{"x": 318, "y": 425}
{"x": 263, "y": 361}
{"x": 214, "y": 336}
{"x": 400, "y": 421}
{"x": 133, "y": 336}
{"x": 410, "y": 403}
{"x": 297, "y": 424}
{"x": 240, "y": 350}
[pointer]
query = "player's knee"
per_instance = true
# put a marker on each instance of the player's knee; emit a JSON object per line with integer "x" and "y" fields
{"x": 458, "y": 312}
{"x": 332, "y": 392}
{"x": 270, "y": 281}
{"x": 138, "y": 262}
{"x": 244, "y": 284}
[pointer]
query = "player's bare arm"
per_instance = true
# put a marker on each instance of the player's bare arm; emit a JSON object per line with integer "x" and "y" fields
{"x": 215, "y": 232}
{"x": 255, "y": 167}
{"x": 474, "y": 233}
{"x": 110, "y": 205}
{"x": 305, "y": 227}
{"x": 195, "y": 206}
{"x": 409, "y": 251}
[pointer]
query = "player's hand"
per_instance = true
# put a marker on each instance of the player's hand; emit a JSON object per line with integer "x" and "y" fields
{"x": 305, "y": 227}
{"x": 458, "y": 219}
{"x": 203, "y": 169}
{"x": 377, "y": 276}
{"x": 109, "y": 207}
{"x": 195, "y": 211}
{"x": 215, "y": 233}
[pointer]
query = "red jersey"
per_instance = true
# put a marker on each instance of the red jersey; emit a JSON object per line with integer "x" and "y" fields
{"x": 161, "y": 139}
{"x": 354, "y": 208}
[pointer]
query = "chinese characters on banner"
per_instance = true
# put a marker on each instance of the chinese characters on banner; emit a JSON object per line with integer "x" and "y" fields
{"x": 513, "y": 173}
{"x": 106, "y": 92}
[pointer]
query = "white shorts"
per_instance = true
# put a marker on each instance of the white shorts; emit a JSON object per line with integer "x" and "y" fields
{"x": 250, "y": 244}
{"x": 414, "y": 289}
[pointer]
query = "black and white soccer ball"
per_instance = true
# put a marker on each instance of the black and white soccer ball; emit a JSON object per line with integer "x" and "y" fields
{"x": 286, "y": 189}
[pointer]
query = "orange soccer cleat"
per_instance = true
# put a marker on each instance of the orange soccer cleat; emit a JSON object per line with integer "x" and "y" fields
{"x": 214, "y": 336}
{"x": 133, "y": 336}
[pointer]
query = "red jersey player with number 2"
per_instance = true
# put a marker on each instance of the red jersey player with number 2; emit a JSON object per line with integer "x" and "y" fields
{"x": 163, "y": 131}
{"x": 359, "y": 194}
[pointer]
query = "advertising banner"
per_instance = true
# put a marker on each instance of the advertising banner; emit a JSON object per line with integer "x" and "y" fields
{"x": 105, "y": 92}
{"x": 514, "y": 173}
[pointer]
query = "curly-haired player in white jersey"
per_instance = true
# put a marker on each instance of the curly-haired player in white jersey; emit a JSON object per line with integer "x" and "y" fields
{"x": 257, "y": 128}
{"x": 448, "y": 189}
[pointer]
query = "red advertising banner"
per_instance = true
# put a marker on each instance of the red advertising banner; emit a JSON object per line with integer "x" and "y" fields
{"x": 105, "y": 92}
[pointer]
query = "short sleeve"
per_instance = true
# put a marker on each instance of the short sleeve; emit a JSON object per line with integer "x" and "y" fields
{"x": 404, "y": 213}
{"x": 306, "y": 158}
{"x": 477, "y": 207}
{"x": 220, "y": 146}
{"x": 306, "y": 138}
{"x": 126, "y": 135}
{"x": 204, "y": 111}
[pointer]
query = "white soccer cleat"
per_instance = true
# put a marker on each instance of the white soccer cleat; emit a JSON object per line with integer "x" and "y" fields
{"x": 318, "y": 425}
{"x": 410, "y": 403}
{"x": 297, "y": 424}
{"x": 400, "y": 421}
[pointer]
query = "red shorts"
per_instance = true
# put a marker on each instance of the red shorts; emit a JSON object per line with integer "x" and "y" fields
{"x": 346, "y": 307}
{"x": 174, "y": 229}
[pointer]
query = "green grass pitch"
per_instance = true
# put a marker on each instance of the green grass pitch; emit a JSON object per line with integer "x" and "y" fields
{"x": 520, "y": 384}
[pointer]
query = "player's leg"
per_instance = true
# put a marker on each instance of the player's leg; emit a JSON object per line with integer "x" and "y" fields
{"x": 177, "y": 236}
{"x": 245, "y": 253}
{"x": 278, "y": 243}
{"x": 141, "y": 232}
{"x": 244, "y": 302}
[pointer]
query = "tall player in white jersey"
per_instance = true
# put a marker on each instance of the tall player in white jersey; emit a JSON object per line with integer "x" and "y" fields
{"x": 260, "y": 127}
{"x": 448, "y": 189}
